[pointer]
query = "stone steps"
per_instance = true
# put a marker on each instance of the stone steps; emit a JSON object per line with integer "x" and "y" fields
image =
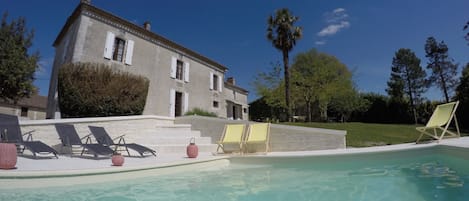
{"x": 172, "y": 139}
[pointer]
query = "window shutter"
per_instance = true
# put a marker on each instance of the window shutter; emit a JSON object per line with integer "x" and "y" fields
{"x": 130, "y": 51}
{"x": 172, "y": 99}
{"x": 220, "y": 83}
{"x": 186, "y": 71}
{"x": 109, "y": 44}
{"x": 211, "y": 81}
{"x": 173, "y": 67}
{"x": 186, "y": 102}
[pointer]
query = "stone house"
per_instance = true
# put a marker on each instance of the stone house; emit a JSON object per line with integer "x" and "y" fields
{"x": 33, "y": 108}
{"x": 180, "y": 79}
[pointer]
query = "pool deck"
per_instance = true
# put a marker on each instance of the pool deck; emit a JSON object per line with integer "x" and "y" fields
{"x": 75, "y": 166}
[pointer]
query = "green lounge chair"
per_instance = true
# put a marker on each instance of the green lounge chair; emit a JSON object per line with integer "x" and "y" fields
{"x": 232, "y": 134}
{"x": 437, "y": 126}
{"x": 258, "y": 133}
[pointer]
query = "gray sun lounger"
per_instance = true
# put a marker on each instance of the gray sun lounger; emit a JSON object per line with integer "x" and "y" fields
{"x": 102, "y": 137}
{"x": 70, "y": 138}
{"x": 11, "y": 133}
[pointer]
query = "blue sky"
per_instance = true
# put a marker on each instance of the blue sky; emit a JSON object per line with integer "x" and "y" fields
{"x": 363, "y": 34}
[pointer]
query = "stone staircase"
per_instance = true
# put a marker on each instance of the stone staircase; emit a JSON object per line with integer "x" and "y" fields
{"x": 172, "y": 138}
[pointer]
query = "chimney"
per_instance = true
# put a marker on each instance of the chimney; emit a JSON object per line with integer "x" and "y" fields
{"x": 231, "y": 80}
{"x": 85, "y": 1}
{"x": 147, "y": 25}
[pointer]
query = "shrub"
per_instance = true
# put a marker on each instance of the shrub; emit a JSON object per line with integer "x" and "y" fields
{"x": 95, "y": 90}
{"x": 200, "y": 112}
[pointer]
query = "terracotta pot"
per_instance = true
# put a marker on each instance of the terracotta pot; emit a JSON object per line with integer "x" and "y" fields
{"x": 117, "y": 160}
{"x": 192, "y": 149}
{"x": 8, "y": 156}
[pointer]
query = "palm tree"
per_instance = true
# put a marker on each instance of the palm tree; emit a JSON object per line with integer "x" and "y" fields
{"x": 283, "y": 35}
{"x": 465, "y": 27}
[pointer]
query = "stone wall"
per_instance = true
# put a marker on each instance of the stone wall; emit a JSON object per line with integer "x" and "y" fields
{"x": 133, "y": 127}
{"x": 282, "y": 137}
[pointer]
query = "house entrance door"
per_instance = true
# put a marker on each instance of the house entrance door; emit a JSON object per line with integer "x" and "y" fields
{"x": 178, "y": 104}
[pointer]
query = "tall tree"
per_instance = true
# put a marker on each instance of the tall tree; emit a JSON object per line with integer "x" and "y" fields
{"x": 17, "y": 66}
{"x": 283, "y": 35}
{"x": 268, "y": 85}
{"x": 462, "y": 95}
{"x": 467, "y": 34}
{"x": 462, "y": 91}
{"x": 443, "y": 69}
{"x": 407, "y": 77}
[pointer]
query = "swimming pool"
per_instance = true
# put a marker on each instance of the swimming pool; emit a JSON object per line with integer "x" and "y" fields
{"x": 435, "y": 173}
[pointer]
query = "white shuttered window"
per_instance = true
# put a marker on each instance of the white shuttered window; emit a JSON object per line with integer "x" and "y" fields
{"x": 109, "y": 45}
{"x": 186, "y": 71}
{"x": 172, "y": 104}
{"x": 173, "y": 67}
{"x": 186, "y": 102}
{"x": 129, "y": 52}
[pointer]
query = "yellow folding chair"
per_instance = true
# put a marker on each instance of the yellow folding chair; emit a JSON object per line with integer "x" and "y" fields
{"x": 258, "y": 133}
{"x": 232, "y": 134}
{"x": 439, "y": 122}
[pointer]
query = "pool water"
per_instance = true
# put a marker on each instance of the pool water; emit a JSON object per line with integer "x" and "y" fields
{"x": 437, "y": 173}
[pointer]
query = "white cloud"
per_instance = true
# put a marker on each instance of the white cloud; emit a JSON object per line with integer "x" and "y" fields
{"x": 333, "y": 28}
{"x": 320, "y": 42}
{"x": 338, "y": 10}
{"x": 336, "y": 21}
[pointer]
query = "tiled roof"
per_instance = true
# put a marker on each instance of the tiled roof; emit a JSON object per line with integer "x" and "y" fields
{"x": 35, "y": 101}
{"x": 234, "y": 87}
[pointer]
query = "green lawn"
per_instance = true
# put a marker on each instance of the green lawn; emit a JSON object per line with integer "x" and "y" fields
{"x": 366, "y": 134}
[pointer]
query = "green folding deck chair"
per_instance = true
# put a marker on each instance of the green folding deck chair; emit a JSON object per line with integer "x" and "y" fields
{"x": 437, "y": 126}
{"x": 233, "y": 135}
{"x": 258, "y": 133}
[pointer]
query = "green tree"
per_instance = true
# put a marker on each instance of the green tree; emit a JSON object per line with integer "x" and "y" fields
{"x": 267, "y": 85}
{"x": 318, "y": 78}
{"x": 344, "y": 104}
{"x": 17, "y": 66}
{"x": 283, "y": 35}
{"x": 462, "y": 90}
{"x": 462, "y": 94}
{"x": 443, "y": 70}
{"x": 407, "y": 77}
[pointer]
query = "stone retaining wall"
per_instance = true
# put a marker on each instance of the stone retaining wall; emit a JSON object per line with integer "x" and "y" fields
{"x": 282, "y": 137}
{"x": 131, "y": 126}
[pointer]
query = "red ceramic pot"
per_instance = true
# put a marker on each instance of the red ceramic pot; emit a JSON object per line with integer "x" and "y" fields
{"x": 192, "y": 149}
{"x": 8, "y": 156}
{"x": 117, "y": 160}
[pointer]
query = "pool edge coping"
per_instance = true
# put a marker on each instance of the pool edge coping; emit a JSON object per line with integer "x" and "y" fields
{"x": 106, "y": 171}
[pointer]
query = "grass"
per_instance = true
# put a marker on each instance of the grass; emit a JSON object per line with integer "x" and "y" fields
{"x": 367, "y": 134}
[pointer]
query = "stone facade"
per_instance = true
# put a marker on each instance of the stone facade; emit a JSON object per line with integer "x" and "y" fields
{"x": 180, "y": 79}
